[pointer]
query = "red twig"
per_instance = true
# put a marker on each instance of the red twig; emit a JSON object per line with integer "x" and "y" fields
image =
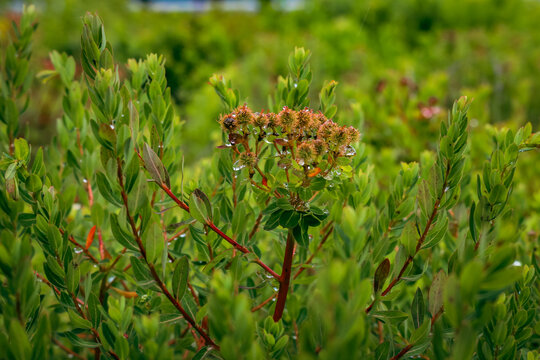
{"x": 214, "y": 228}
{"x": 285, "y": 278}
{"x": 402, "y": 352}
{"x": 420, "y": 240}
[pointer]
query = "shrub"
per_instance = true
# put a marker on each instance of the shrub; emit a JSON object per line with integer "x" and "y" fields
{"x": 111, "y": 247}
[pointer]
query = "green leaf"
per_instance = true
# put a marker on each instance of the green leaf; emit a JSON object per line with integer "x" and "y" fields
{"x": 121, "y": 347}
{"x": 300, "y": 235}
{"x": 472, "y": 226}
{"x": 155, "y": 167}
{"x": 142, "y": 274}
{"x": 21, "y": 149}
{"x": 436, "y": 295}
{"x": 180, "y": 277}
{"x": 73, "y": 277}
{"x": 394, "y": 316}
{"x": 289, "y": 219}
{"x": 19, "y": 343}
{"x": 132, "y": 172}
{"x": 436, "y": 233}
{"x": 273, "y": 220}
{"x": 121, "y": 236}
{"x": 105, "y": 189}
{"x": 380, "y": 275}
{"x": 153, "y": 242}
{"x": 420, "y": 333}
{"x": 77, "y": 321}
{"x": 37, "y": 166}
{"x": 200, "y": 207}
{"x": 55, "y": 238}
{"x": 75, "y": 340}
{"x": 33, "y": 183}
{"x": 418, "y": 308}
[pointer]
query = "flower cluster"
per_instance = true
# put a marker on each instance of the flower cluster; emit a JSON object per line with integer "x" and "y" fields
{"x": 305, "y": 137}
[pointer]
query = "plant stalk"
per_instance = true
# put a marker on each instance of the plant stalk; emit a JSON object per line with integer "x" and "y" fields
{"x": 285, "y": 278}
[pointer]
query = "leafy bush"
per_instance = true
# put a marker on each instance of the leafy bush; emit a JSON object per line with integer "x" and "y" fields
{"x": 285, "y": 243}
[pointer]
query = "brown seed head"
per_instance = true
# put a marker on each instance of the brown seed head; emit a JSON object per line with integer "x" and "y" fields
{"x": 260, "y": 120}
{"x": 339, "y": 136}
{"x": 305, "y": 151}
{"x": 272, "y": 120}
{"x": 228, "y": 123}
{"x": 287, "y": 117}
{"x": 353, "y": 135}
{"x": 326, "y": 130}
{"x": 303, "y": 119}
{"x": 244, "y": 116}
{"x": 319, "y": 147}
{"x": 248, "y": 159}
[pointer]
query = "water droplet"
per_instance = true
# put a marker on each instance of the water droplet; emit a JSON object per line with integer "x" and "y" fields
{"x": 275, "y": 288}
{"x": 122, "y": 115}
{"x": 78, "y": 250}
{"x": 348, "y": 151}
{"x": 295, "y": 85}
{"x": 516, "y": 263}
{"x": 85, "y": 181}
{"x": 110, "y": 279}
{"x": 284, "y": 163}
{"x": 183, "y": 235}
{"x": 112, "y": 126}
{"x": 237, "y": 166}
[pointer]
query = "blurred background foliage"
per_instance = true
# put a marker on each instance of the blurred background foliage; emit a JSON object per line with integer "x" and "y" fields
{"x": 397, "y": 60}
{"x": 399, "y": 66}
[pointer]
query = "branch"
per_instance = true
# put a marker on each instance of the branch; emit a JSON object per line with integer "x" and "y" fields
{"x": 420, "y": 240}
{"x": 155, "y": 275}
{"x": 214, "y": 228}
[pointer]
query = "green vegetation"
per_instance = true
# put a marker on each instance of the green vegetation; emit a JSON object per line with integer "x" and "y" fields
{"x": 350, "y": 208}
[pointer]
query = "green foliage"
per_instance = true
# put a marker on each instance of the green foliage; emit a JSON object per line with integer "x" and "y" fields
{"x": 288, "y": 242}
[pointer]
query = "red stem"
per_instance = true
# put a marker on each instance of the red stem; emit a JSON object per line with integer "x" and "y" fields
{"x": 285, "y": 278}
{"x": 420, "y": 241}
{"x": 402, "y": 352}
{"x": 214, "y": 228}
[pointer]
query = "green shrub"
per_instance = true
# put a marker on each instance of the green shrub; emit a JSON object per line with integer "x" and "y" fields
{"x": 285, "y": 243}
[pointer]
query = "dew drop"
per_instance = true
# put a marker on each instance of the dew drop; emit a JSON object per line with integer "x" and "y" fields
{"x": 348, "y": 151}
{"x": 237, "y": 166}
{"x": 78, "y": 251}
{"x": 85, "y": 181}
{"x": 112, "y": 126}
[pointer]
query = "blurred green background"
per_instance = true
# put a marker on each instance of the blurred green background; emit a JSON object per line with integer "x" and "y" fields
{"x": 399, "y": 65}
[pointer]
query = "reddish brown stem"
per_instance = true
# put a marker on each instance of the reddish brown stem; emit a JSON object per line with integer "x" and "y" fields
{"x": 68, "y": 350}
{"x": 402, "y": 352}
{"x": 323, "y": 240}
{"x": 285, "y": 278}
{"x": 155, "y": 275}
{"x": 420, "y": 240}
{"x": 261, "y": 305}
{"x": 214, "y": 228}
{"x": 86, "y": 252}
